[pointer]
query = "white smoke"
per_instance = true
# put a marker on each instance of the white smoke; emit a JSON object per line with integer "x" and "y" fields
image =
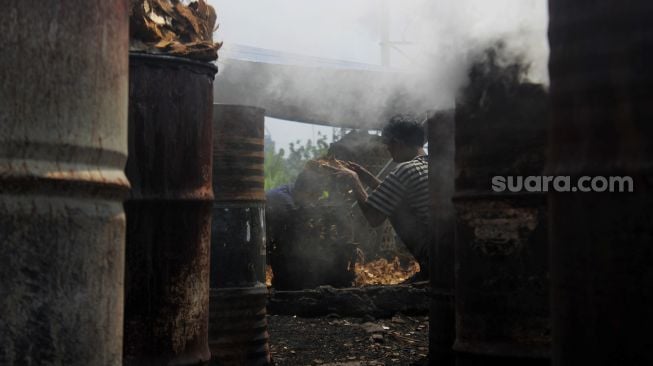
{"x": 446, "y": 33}
{"x": 433, "y": 43}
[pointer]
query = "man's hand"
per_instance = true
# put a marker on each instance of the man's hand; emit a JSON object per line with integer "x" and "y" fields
{"x": 364, "y": 175}
{"x": 354, "y": 182}
{"x": 374, "y": 217}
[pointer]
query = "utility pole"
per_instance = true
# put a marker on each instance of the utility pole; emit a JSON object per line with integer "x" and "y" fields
{"x": 386, "y": 44}
{"x": 385, "y": 34}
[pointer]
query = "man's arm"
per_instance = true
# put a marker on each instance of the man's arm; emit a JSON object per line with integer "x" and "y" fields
{"x": 364, "y": 175}
{"x": 373, "y": 216}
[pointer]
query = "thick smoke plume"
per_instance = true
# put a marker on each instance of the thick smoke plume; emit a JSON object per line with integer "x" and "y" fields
{"x": 502, "y": 114}
{"x": 450, "y": 36}
{"x": 431, "y": 44}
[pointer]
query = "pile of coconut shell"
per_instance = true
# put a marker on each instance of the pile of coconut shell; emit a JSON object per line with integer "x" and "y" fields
{"x": 173, "y": 27}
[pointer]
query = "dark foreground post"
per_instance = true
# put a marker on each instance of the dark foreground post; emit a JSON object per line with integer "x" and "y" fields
{"x": 169, "y": 211}
{"x": 63, "y": 147}
{"x": 441, "y": 138}
{"x": 601, "y": 243}
{"x": 238, "y": 328}
{"x": 502, "y": 299}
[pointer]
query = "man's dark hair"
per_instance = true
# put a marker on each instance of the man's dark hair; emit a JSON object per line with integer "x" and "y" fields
{"x": 404, "y": 128}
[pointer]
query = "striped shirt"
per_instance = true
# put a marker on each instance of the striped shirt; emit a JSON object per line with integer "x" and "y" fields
{"x": 407, "y": 184}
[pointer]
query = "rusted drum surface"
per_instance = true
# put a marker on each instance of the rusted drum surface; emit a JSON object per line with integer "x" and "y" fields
{"x": 63, "y": 147}
{"x": 601, "y": 249}
{"x": 441, "y": 139}
{"x": 238, "y": 245}
{"x": 238, "y": 328}
{"x": 239, "y": 332}
{"x": 238, "y": 153}
{"x": 169, "y": 211}
{"x": 238, "y": 237}
{"x": 501, "y": 297}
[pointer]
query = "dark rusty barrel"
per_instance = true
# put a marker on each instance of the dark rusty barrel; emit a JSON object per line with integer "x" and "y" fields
{"x": 441, "y": 139}
{"x": 601, "y": 249}
{"x": 169, "y": 211}
{"x": 238, "y": 327}
{"x": 501, "y": 297}
{"x": 63, "y": 147}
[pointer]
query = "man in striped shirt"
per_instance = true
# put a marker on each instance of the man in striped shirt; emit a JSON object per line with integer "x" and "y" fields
{"x": 403, "y": 196}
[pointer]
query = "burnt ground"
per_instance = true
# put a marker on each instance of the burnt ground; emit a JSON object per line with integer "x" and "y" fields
{"x": 347, "y": 341}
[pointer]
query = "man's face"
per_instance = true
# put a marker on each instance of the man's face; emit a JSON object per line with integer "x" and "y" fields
{"x": 393, "y": 148}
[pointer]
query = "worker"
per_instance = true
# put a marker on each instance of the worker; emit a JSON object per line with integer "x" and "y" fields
{"x": 281, "y": 208}
{"x": 403, "y": 196}
{"x": 281, "y": 202}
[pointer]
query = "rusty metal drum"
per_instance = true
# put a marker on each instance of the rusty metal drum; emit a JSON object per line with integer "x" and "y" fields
{"x": 238, "y": 153}
{"x": 601, "y": 252}
{"x": 169, "y": 211}
{"x": 441, "y": 144}
{"x": 502, "y": 278}
{"x": 238, "y": 326}
{"x": 63, "y": 147}
{"x": 238, "y": 332}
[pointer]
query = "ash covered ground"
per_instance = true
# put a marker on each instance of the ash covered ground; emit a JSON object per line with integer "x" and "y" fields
{"x": 331, "y": 340}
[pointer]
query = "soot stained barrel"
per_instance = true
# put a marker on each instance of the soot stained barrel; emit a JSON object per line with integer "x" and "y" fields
{"x": 169, "y": 211}
{"x": 63, "y": 147}
{"x": 501, "y": 297}
{"x": 238, "y": 327}
{"x": 441, "y": 139}
{"x": 601, "y": 126}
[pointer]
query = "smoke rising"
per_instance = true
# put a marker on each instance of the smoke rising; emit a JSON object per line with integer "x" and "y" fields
{"x": 432, "y": 45}
{"x": 452, "y": 35}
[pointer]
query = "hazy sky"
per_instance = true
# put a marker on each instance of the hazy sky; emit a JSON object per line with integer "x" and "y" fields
{"x": 332, "y": 29}
{"x": 433, "y": 35}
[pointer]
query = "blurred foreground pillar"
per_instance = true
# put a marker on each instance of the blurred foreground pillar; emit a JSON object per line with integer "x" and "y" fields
{"x": 602, "y": 125}
{"x": 63, "y": 147}
{"x": 238, "y": 333}
{"x": 441, "y": 139}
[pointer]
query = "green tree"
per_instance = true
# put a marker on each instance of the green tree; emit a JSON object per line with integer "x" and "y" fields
{"x": 276, "y": 172}
{"x": 281, "y": 169}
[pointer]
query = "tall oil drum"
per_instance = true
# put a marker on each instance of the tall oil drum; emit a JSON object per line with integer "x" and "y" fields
{"x": 168, "y": 211}
{"x": 63, "y": 147}
{"x": 501, "y": 256}
{"x": 441, "y": 146}
{"x": 601, "y": 132}
{"x": 238, "y": 327}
